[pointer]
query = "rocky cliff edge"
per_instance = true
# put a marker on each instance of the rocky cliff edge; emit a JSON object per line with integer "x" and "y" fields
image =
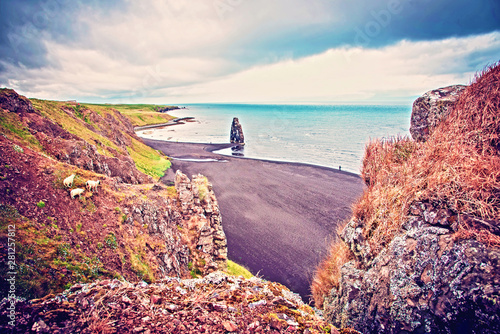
{"x": 422, "y": 251}
{"x": 130, "y": 227}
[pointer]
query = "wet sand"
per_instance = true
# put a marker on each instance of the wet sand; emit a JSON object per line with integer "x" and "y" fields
{"x": 279, "y": 217}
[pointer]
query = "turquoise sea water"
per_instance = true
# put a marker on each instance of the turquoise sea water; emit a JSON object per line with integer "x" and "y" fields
{"x": 327, "y": 135}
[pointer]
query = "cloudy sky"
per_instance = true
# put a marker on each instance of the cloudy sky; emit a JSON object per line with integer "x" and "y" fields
{"x": 280, "y": 51}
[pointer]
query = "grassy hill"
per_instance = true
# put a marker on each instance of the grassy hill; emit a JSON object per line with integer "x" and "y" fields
{"x": 114, "y": 232}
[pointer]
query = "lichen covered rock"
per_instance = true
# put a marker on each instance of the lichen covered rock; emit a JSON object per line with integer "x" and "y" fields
{"x": 432, "y": 107}
{"x": 218, "y": 303}
{"x": 427, "y": 280}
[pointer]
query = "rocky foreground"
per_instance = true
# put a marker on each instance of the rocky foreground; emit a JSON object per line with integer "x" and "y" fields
{"x": 217, "y": 303}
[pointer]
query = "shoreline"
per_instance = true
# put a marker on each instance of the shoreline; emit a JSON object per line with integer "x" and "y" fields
{"x": 213, "y": 147}
{"x": 279, "y": 217}
{"x": 175, "y": 121}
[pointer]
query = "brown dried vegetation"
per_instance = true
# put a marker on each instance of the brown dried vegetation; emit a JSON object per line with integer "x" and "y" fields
{"x": 458, "y": 169}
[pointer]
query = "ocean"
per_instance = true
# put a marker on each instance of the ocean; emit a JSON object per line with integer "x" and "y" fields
{"x": 326, "y": 135}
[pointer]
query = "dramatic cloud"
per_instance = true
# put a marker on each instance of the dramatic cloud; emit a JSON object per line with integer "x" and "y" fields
{"x": 126, "y": 50}
{"x": 391, "y": 74}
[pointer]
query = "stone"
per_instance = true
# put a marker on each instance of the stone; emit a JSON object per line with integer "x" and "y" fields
{"x": 230, "y": 326}
{"x": 431, "y": 108}
{"x": 258, "y": 303}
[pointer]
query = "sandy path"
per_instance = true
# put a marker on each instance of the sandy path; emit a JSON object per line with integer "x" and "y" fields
{"x": 278, "y": 217}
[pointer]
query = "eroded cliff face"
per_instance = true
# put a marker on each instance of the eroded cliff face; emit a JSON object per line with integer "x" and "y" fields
{"x": 107, "y": 154}
{"x": 422, "y": 251}
{"x": 427, "y": 280}
{"x": 202, "y": 222}
{"x": 145, "y": 231}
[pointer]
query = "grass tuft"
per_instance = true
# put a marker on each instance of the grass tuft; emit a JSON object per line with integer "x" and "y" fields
{"x": 238, "y": 270}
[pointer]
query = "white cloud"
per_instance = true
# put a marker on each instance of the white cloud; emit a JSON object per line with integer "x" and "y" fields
{"x": 395, "y": 72}
{"x": 181, "y": 51}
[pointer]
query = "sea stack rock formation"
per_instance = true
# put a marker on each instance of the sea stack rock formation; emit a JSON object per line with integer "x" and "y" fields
{"x": 429, "y": 109}
{"x": 236, "y": 135}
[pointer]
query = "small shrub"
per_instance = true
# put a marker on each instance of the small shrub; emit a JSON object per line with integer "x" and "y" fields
{"x": 64, "y": 250}
{"x": 195, "y": 272}
{"x": 78, "y": 227}
{"x": 110, "y": 240}
{"x": 40, "y": 204}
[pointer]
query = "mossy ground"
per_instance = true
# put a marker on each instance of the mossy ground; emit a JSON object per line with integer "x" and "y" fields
{"x": 77, "y": 119}
{"x": 46, "y": 262}
{"x": 10, "y": 126}
{"x": 237, "y": 270}
{"x": 139, "y": 114}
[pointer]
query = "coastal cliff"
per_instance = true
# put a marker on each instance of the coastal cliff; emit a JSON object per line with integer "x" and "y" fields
{"x": 130, "y": 227}
{"x": 131, "y": 256}
{"x": 421, "y": 252}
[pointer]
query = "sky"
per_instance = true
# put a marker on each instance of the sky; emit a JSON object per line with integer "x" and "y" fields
{"x": 244, "y": 51}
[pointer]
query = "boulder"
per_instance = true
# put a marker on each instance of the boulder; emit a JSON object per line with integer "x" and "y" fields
{"x": 432, "y": 107}
{"x": 427, "y": 280}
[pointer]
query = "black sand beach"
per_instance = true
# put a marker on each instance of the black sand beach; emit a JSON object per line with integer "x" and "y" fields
{"x": 279, "y": 217}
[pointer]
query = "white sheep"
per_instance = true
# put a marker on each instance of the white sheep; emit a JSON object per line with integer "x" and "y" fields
{"x": 68, "y": 182}
{"x": 92, "y": 185}
{"x": 77, "y": 191}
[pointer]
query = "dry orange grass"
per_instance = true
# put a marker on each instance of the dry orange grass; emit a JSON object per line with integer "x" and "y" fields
{"x": 328, "y": 273}
{"x": 458, "y": 168}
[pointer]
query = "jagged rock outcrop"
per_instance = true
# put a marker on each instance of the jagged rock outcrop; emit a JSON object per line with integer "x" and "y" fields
{"x": 427, "y": 280}
{"x": 218, "y": 303}
{"x": 429, "y": 109}
{"x": 236, "y": 135}
{"x": 202, "y": 221}
{"x": 10, "y": 100}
